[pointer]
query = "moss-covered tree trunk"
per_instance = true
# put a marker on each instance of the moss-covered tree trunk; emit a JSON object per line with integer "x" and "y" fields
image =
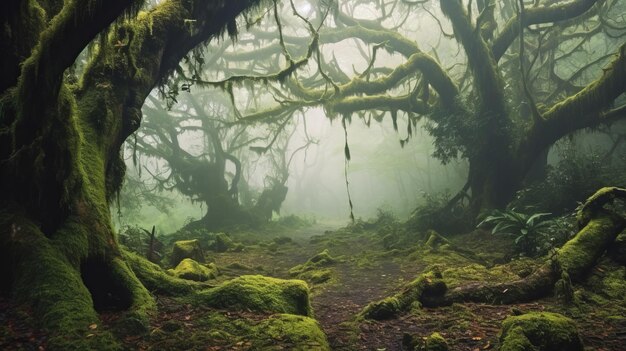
{"x": 60, "y": 156}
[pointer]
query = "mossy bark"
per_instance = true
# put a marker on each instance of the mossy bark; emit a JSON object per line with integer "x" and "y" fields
{"x": 574, "y": 259}
{"x": 60, "y": 159}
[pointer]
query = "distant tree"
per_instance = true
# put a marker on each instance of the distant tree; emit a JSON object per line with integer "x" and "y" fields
{"x": 525, "y": 75}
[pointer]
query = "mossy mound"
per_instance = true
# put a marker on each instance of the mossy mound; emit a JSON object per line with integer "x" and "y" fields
{"x": 322, "y": 259}
{"x": 301, "y": 333}
{"x": 186, "y": 249}
{"x": 435, "y": 342}
{"x": 191, "y": 270}
{"x": 215, "y": 331}
{"x": 262, "y": 294}
{"x": 221, "y": 242}
{"x": 539, "y": 331}
{"x": 317, "y": 276}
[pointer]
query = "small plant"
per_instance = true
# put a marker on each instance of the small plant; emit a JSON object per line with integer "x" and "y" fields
{"x": 532, "y": 232}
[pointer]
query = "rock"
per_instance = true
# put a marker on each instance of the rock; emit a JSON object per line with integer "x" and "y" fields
{"x": 186, "y": 249}
{"x": 539, "y": 331}
{"x": 260, "y": 293}
{"x": 192, "y": 270}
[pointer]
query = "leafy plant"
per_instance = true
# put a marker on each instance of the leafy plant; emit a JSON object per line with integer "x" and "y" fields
{"x": 532, "y": 232}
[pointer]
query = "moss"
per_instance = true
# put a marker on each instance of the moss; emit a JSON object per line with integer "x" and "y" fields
{"x": 541, "y": 331}
{"x": 317, "y": 276}
{"x": 303, "y": 333}
{"x": 409, "y": 297}
{"x": 579, "y": 254}
{"x": 239, "y": 266}
{"x": 154, "y": 278}
{"x": 221, "y": 243}
{"x": 321, "y": 259}
{"x": 186, "y": 249}
{"x": 386, "y": 308}
{"x": 214, "y": 330}
{"x": 259, "y": 293}
{"x": 435, "y": 342}
{"x": 191, "y": 270}
{"x": 52, "y": 285}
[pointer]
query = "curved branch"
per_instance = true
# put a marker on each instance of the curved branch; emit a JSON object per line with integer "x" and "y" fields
{"x": 537, "y": 15}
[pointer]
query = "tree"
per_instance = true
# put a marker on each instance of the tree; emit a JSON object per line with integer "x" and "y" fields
{"x": 60, "y": 156}
{"x": 513, "y": 91}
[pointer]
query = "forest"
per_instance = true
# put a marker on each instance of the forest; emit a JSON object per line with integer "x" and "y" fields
{"x": 382, "y": 175}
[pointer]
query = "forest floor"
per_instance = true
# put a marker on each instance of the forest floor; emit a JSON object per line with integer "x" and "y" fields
{"x": 365, "y": 267}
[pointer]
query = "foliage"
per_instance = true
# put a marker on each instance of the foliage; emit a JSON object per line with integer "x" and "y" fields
{"x": 574, "y": 178}
{"x": 437, "y": 213}
{"x": 531, "y": 232}
{"x": 137, "y": 240}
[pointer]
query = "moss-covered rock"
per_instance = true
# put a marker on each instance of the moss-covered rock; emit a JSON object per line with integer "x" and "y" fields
{"x": 191, "y": 270}
{"x": 322, "y": 259}
{"x": 539, "y": 331}
{"x": 386, "y": 308}
{"x": 221, "y": 243}
{"x": 303, "y": 333}
{"x": 260, "y": 293}
{"x": 186, "y": 249}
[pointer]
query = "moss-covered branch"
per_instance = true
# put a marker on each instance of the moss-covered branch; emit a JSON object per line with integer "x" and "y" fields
{"x": 487, "y": 80}
{"x": 538, "y": 15}
{"x": 582, "y": 110}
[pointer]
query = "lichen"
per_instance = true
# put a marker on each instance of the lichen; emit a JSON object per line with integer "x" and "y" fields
{"x": 259, "y": 293}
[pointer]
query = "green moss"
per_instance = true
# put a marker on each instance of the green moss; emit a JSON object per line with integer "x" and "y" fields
{"x": 386, "y": 308}
{"x": 259, "y": 293}
{"x": 579, "y": 254}
{"x": 303, "y": 333}
{"x": 221, "y": 243}
{"x": 186, "y": 249}
{"x": 192, "y": 270}
{"x": 154, "y": 278}
{"x": 321, "y": 259}
{"x": 541, "y": 331}
{"x": 52, "y": 285}
{"x": 214, "y": 329}
{"x": 409, "y": 297}
{"x": 317, "y": 276}
{"x": 435, "y": 342}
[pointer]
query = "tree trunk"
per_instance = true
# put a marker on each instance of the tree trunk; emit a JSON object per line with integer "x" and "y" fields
{"x": 60, "y": 157}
